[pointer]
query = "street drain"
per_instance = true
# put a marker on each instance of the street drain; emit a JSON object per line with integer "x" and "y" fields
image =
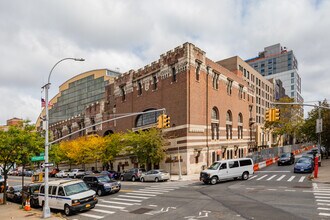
{"x": 140, "y": 211}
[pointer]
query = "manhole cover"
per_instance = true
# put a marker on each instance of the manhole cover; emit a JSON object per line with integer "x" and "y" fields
{"x": 140, "y": 211}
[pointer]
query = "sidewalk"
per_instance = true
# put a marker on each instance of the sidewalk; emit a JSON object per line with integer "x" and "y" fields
{"x": 13, "y": 211}
{"x": 191, "y": 177}
{"x": 324, "y": 172}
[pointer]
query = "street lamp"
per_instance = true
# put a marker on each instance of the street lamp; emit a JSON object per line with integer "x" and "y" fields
{"x": 46, "y": 210}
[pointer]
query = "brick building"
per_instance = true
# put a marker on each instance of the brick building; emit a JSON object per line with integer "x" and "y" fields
{"x": 210, "y": 108}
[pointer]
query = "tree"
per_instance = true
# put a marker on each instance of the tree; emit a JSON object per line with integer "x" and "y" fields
{"x": 114, "y": 144}
{"x": 18, "y": 145}
{"x": 146, "y": 145}
{"x": 57, "y": 154}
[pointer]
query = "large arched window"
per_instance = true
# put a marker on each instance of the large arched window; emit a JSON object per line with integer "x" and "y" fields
{"x": 240, "y": 126}
{"x": 229, "y": 125}
{"x": 215, "y": 123}
{"x": 146, "y": 118}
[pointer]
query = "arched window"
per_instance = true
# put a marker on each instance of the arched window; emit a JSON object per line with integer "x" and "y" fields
{"x": 146, "y": 118}
{"x": 215, "y": 123}
{"x": 229, "y": 125}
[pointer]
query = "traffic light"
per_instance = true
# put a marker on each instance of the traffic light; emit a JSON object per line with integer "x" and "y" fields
{"x": 166, "y": 121}
{"x": 277, "y": 114}
{"x": 160, "y": 121}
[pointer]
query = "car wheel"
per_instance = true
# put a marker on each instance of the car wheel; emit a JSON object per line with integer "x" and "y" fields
{"x": 133, "y": 178}
{"x": 245, "y": 175}
{"x": 142, "y": 179}
{"x": 214, "y": 180}
{"x": 156, "y": 179}
{"x": 67, "y": 210}
{"x": 99, "y": 192}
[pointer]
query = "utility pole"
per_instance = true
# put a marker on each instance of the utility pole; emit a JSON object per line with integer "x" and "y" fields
{"x": 320, "y": 126}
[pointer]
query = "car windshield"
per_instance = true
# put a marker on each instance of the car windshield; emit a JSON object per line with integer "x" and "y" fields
{"x": 103, "y": 179}
{"x": 285, "y": 155}
{"x": 76, "y": 188}
{"x": 214, "y": 166}
{"x": 304, "y": 160}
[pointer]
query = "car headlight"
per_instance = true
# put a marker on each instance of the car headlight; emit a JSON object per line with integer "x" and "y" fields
{"x": 75, "y": 202}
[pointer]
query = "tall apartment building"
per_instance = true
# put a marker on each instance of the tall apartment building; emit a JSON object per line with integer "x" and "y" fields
{"x": 277, "y": 62}
{"x": 263, "y": 91}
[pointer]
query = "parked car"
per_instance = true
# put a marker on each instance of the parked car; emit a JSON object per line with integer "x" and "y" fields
{"x": 304, "y": 165}
{"x": 155, "y": 175}
{"x": 14, "y": 194}
{"x": 314, "y": 153}
{"x": 286, "y": 158}
{"x": 2, "y": 185}
{"x": 31, "y": 192}
{"x": 111, "y": 174}
{"x": 28, "y": 173}
{"x": 62, "y": 174}
{"x": 132, "y": 174}
{"x": 324, "y": 152}
{"x": 227, "y": 169}
{"x": 77, "y": 173}
{"x": 68, "y": 195}
{"x": 102, "y": 184}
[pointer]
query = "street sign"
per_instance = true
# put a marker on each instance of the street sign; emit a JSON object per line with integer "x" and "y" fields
{"x": 47, "y": 165}
{"x": 37, "y": 158}
{"x": 318, "y": 125}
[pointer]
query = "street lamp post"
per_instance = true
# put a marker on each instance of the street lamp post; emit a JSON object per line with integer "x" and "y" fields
{"x": 46, "y": 210}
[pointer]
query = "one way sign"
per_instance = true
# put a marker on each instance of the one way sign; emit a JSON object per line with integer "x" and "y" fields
{"x": 47, "y": 165}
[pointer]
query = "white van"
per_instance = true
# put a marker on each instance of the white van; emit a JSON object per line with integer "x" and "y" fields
{"x": 227, "y": 169}
{"x": 68, "y": 195}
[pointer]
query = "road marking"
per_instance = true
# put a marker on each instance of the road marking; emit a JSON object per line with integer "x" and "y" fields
{"x": 321, "y": 194}
{"x": 91, "y": 216}
{"x": 260, "y": 178}
{"x": 157, "y": 193}
{"x": 271, "y": 177}
{"x": 129, "y": 200}
{"x": 279, "y": 179}
{"x": 171, "y": 187}
{"x": 153, "y": 205}
{"x": 318, "y": 191}
{"x": 323, "y": 190}
{"x": 126, "y": 190}
{"x": 324, "y": 214}
{"x": 134, "y": 197}
{"x": 302, "y": 179}
{"x": 252, "y": 177}
{"x": 322, "y": 197}
{"x": 154, "y": 190}
{"x": 120, "y": 203}
{"x": 110, "y": 206}
{"x": 322, "y": 200}
{"x": 291, "y": 178}
{"x": 290, "y": 190}
{"x": 328, "y": 209}
{"x": 250, "y": 188}
{"x": 103, "y": 211}
{"x": 272, "y": 189}
{"x": 140, "y": 194}
{"x": 159, "y": 188}
{"x": 326, "y": 204}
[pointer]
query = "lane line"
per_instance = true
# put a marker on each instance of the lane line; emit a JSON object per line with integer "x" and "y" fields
{"x": 271, "y": 177}
{"x": 279, "y": 179}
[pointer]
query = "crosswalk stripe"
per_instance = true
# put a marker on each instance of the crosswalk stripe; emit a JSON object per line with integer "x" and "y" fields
{"x": 260, "y": 178}
{"x": 157, "y": 193}
{"x": 140, "y": 194}
{"x": 252, "y": 177}
{"x": 134, "y": 197}
{"x": 271, "y": 177}
{"x": 120, "y": 203}
{"x": 129, "y": 200}
{"x": 326, "y": 204}
{"x": 279, "y": 179}
{"x": 110, "y": 206}
{"x": 322, "y": 200}
{"x": 322, "y": 194}
{"x": 158, "y": 188}
{"x": 103, "y": 211}
{"x": 154, "y": 190}
{"x": 302, "y": 179}
{"x": 318, "y": 191}
{"x": 291, "y": 178}
{"x": 323, "y": 190}
{"x": 324, "y": 214}
{"x": 322, "y": 208}
{"x": 322, "y": 197}
{"x": 91, "y": 216}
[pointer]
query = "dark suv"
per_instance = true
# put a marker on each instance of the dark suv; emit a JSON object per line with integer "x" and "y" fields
{"x": 132, "y": 174}
{"x": 286, "y": 158}
{"x": 102, "y": 184}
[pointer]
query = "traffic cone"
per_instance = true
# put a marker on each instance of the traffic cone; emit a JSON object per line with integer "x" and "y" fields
{"x": 27, "y": 206}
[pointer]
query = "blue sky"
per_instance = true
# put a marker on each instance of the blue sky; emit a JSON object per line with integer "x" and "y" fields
{"x": 129, "y": 34}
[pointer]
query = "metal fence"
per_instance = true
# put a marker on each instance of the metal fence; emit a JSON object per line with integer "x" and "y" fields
{"x": 269, "y": 153}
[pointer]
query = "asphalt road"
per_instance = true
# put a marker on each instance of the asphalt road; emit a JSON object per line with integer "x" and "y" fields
{"x": 273, "y": 193}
